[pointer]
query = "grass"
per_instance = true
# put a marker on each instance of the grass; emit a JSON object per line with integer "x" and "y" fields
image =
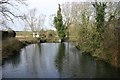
{"x": 11, "y": 47}
{"x": 22, "y": 36}
{"x": 24, "y": 33}
{"x": 27, "y": 39}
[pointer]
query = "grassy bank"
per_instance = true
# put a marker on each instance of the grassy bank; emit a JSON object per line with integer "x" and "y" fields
{"x": 12, "y": 46}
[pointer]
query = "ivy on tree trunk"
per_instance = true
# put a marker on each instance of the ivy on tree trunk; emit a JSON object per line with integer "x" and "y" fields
{"x": 100, "y": 20}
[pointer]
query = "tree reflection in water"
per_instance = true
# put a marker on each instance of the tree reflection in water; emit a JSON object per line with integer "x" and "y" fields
{"x": 14, "y": 60}
{"x": 60, "y": 57}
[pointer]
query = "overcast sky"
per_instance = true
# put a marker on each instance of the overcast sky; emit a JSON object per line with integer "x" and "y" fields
{"x": 46, "y": 7}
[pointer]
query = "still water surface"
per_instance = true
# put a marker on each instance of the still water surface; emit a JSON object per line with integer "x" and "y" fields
{"x": 55, "y": 60}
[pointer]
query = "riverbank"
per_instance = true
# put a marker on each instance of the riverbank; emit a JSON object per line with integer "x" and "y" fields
{"x": 12, "y": 46}
{"x": 108, "y": 48}
{"x": 105, "y": 56}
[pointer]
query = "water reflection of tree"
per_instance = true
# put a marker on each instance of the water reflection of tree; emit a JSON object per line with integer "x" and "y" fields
{"x": 14, "y": 60}
{"x": 39, "y": 48}
{"x": 60, "y": 57}
{"x": 36, "y": 59}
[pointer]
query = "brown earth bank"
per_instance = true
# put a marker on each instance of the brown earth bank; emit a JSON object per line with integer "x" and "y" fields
{"x": 12, "y": 46}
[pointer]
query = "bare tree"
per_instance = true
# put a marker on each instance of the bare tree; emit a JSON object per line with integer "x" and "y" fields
{"x": 41, "y": 21}
{"x": 9, "y": 10}
{"x": 51, "y": 19}
{"x": 31, "y": 19}
{"x": 112, "y": 10}
{"x": 34, "y": 21}
{"x": 66, "y": 10}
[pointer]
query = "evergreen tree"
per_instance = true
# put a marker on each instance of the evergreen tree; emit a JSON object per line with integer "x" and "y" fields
{"x": 59, "y": 24}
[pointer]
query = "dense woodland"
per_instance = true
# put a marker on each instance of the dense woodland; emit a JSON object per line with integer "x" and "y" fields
{"x": 94, "y": 25}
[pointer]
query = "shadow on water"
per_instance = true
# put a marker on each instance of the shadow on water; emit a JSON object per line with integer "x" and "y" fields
{"x": 97, "y": 68}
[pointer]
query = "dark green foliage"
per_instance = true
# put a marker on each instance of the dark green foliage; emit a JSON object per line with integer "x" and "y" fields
{"x": 59, "y": 24}
{"x": 8, "y": 34}
{"x": 100, "y": 20}
{"x": 91, "y": 35}
{"x": 11, "y": 33}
